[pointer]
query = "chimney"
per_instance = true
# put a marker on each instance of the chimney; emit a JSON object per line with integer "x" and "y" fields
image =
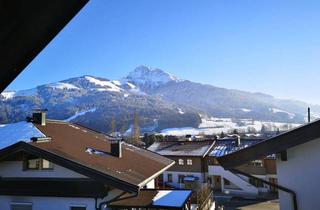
{"x": 309, "y": 116}
{"x": 238, "y": 141}
{"x": 39, "y": 117}
{"x": 116, "y": 148}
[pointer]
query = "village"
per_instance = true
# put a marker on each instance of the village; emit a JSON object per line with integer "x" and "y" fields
{"x": 221, "y": 163}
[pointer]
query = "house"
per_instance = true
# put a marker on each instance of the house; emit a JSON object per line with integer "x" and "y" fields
{"x": 231, "y": 182}
{"x": 196, "y": 163}
{"x": 49, "y": 164}
{"x": 297, "y": 158}
{"x": 190, "y": 157}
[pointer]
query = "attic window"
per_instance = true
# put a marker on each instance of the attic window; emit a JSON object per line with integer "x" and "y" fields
{"x": 37, "y": 164}
{"x": 181, "y": 162}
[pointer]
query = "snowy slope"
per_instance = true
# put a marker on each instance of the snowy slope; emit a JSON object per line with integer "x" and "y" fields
{"x": 80, "y": 114}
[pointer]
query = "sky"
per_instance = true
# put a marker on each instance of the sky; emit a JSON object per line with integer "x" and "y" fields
{"x": 268, "y": 46}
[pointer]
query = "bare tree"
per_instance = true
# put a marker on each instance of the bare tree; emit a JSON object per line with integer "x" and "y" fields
{"x": 135, "y": 134}
{"x": 113, "y": 125}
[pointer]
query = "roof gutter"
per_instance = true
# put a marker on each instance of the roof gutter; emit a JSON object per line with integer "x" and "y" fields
{"x": 284, "y": 189}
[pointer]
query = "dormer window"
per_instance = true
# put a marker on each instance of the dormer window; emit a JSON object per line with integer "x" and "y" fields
{"x": 189, "y": 162}
{"x": 181, "y": 162}
{"x": 37, "y": 164}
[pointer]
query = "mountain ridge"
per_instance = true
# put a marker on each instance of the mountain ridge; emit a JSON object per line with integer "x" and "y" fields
{"x": 161, "y": 99}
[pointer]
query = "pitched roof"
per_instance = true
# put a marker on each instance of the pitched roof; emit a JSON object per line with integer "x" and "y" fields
{"x": 182, "y": 148}
{"x": 152, "y": 198}
{"x": 26, "y": 28}
{"x": 69, "y": 148}
{"x": 226, "y": 146}
{"x": 277, "y": 144}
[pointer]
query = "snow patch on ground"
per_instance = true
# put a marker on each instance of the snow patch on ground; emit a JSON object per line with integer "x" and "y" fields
{"x": 180, "y": 111}
{"x": 275, "y": 110}
{"x": 108, "y": 84}
{"x": 245, "y": 110}
{"x": 211, "y": 126}
{"x": 80, "y": 114}
{"x": 63, "y": 86}
{"x": 116, "y": 82}
{"x": 8, "y": 94}
{"x": 15, "y": 132}
{"x": 132, "y": 86}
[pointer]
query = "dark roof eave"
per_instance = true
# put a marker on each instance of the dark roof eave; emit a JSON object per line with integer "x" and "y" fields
{"x": 271, "y": 146}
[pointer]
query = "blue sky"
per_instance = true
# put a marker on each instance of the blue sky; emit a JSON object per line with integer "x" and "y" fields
{"x": 268, "y": 46}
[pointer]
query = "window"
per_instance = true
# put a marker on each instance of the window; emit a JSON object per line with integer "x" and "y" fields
{"x": 181, "y": 178}
{"x": 78, "y": 207}
{"x": 226, "y": 181}
{"x": 21, "y": 206}
{"x": 256, "y": 182}
{"x": 181, "y": 162}
{"x": 169, "y": 177}
{"x": 257, "y": 163}
{"x": 189, "y": 162}
{"x": 37, "y": 164}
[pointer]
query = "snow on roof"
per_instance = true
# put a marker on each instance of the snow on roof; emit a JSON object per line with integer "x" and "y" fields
{"x": 181, "y": 148}
{"x": 227, "y": 146}
{"x": 171, "y": 198}
{"x": 15, "y": 132}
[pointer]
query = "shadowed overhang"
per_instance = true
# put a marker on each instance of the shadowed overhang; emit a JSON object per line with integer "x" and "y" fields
{"x": 26, "y": 28}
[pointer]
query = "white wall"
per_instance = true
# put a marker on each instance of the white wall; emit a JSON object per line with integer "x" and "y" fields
{"x": 47, "y": 203}
{"x": 15, "y": 169}
{"x": 242, "y": 183}
{"x": 301, "y": 173}
{"x": 151, "y": 184}
{"x": 175, "y": 177}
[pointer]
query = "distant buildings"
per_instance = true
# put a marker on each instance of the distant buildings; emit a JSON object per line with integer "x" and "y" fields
{"x": 190, "y": 161}
{"x": 196, "y": 164}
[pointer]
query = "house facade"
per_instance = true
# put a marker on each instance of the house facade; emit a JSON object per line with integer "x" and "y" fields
{"x": 231, "y": 182}
{"x": 55, "y": 165}
{"x": 190, "y": 166}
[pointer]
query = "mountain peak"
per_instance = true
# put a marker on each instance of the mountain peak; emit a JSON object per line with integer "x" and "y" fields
{"x": 144, "y": 75}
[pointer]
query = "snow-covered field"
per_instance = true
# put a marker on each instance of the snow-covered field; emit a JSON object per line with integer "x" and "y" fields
{"x": 210, "y": 126}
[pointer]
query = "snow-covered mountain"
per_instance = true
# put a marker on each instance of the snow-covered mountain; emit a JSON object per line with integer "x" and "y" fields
{"x": 93, "y": 102}
{"x": 160, "y": 99}
{"x": 146, "y": 77}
